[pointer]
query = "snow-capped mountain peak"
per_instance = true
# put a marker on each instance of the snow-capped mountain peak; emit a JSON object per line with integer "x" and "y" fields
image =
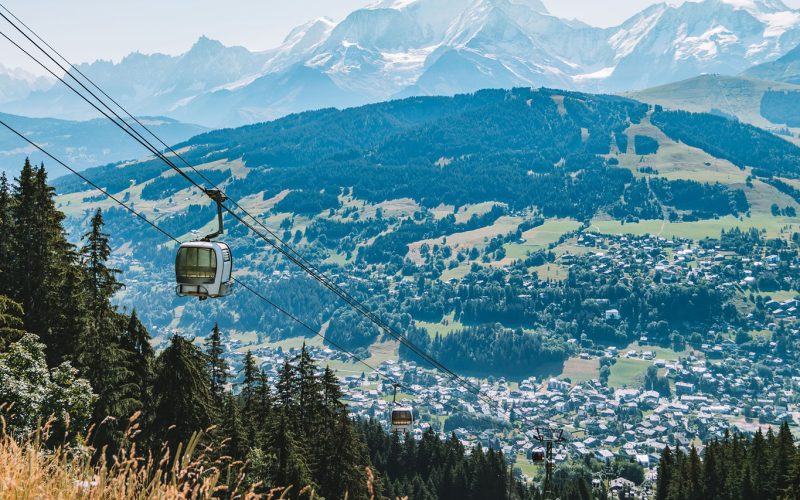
{"x": 411, "y": 47}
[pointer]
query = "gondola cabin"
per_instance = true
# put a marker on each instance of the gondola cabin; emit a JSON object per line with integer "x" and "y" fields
{"x": 537, "y": 455}
{"x": 402, "y": 419}
{"x": 203, "y": 269}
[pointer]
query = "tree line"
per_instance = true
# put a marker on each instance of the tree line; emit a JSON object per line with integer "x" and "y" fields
{"x": 735, "y": 467}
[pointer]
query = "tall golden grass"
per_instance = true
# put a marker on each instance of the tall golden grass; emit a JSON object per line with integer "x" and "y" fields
{"x": 31, "y": 470}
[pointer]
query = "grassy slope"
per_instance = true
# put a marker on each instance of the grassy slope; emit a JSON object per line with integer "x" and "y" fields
{"x": 739, "y": 96}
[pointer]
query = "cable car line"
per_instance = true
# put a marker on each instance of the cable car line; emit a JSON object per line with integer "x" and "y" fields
{"x": 142, "y": 125}
{"x": 282, "y": 310}
{"x": 296, "y": 259}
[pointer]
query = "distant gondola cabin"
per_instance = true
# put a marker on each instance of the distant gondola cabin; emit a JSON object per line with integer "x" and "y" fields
{"x": 402, "y": 419}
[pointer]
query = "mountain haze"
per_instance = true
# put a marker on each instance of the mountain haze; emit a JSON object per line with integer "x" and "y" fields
{"x": 81, "y": 144}
{"x": 425, "y": 47}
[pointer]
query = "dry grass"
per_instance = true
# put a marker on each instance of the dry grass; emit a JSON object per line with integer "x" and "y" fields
{"x": 31, "y": 470}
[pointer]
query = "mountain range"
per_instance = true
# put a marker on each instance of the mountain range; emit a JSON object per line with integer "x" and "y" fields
{"x": 80, "y": 144}
{"x": 400, "y": 48}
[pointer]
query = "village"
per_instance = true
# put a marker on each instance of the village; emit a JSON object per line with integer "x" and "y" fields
{"x": 700, "y": 387}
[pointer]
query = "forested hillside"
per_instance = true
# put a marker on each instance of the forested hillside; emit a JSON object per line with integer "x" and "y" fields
{"x": 362, "y": 186}
{"x": 68, "y": 353}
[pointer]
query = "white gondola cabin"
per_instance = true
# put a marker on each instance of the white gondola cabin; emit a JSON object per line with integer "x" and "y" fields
{"x": 203, "y": 268}
{"x": 402, "y": 419}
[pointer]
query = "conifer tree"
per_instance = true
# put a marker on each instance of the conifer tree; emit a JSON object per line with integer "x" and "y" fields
{"x": 27, "y": 262}
{"x": 249, "y": 378}
{"x": 760, "y": 465}
{"x": 142, "y": 360}
{"x": 6, "y": 241}
{"x": 231, "y": 426}
{"x": 711, "y": 479}
{"x": 39, "y": 261}
{"x": 340, "y": 456}
{"x": 286, "y": 388}
{"x": 11, "y": 325}
{"x": 102, "y": 356}
{"x": 262, "y": 407}
{"x": 286, "y": 465}
{"x": 665, "y": 469}
{"x": 792, "y": 481}
{"x": 309, "y": 393}
{"x": 184, "y": 403}
{"x": 783, "y": 457}
{"x": 216, "y": 363}
{"x": 695, "y": 475}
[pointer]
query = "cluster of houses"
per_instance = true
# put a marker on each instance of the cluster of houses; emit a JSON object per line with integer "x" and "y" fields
{"x": 713, "y": 387}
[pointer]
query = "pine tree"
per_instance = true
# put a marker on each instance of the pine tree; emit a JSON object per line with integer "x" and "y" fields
{"x": 783, "y": 457}
{"x": 26, "y": 267}
{"x": 695, "y": 475}
{"x": 184, "y": 403}
{"x": 286, "y": 388}
{"x": 711, "y": 479}
{"x": 249, "y": 379}
{"x": 6, "y": 241}
{"x": 759, "y": 464}
{"x": 262, "y": 407}
{"x": 340, "y": 456}
{"x": 231, "y": 426}
{"x": 102, "y": 280}
{"x": 11, "y": 324}
{"x": 142, "y": 360}
{"x": 287, "y": 465}
{"x": 309, "y": 393}
{"x": 102, "y": 356}
{"x": 217, "y": 365}
{"x": 792, "y": 481}
{"x": 665, "y": 471}
{"x": 39, "y": 263}
{"x": 341, "y": 471}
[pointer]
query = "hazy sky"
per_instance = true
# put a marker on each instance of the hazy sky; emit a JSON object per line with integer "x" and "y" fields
{"x": 85, "y": 30}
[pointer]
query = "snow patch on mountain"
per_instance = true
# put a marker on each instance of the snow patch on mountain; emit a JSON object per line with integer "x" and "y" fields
{"x": 705, "y": 46}
{"x": 597, "y": 75}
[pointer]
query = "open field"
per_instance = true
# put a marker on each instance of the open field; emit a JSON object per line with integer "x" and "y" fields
{"x": 662, "y": 352}
{"x": 739, "y": 96}
{"x": 675, "y": 160}
{"x": 549, "y": 271}
{"x": 699, "y": 229}
{"x": 580, "y": 370}
{"x": 467, "y": 211}
{"x": 455, "y": 273}
{"x": 441, "y": 328}
{"x": 475, "y": 238}
{"x": 539, "y": 238}
{"x": 779, "y": 295}
{"x": 627, "y": 372}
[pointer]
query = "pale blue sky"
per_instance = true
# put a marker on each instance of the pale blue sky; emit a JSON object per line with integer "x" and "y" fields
{"x": 85, "y": 30}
